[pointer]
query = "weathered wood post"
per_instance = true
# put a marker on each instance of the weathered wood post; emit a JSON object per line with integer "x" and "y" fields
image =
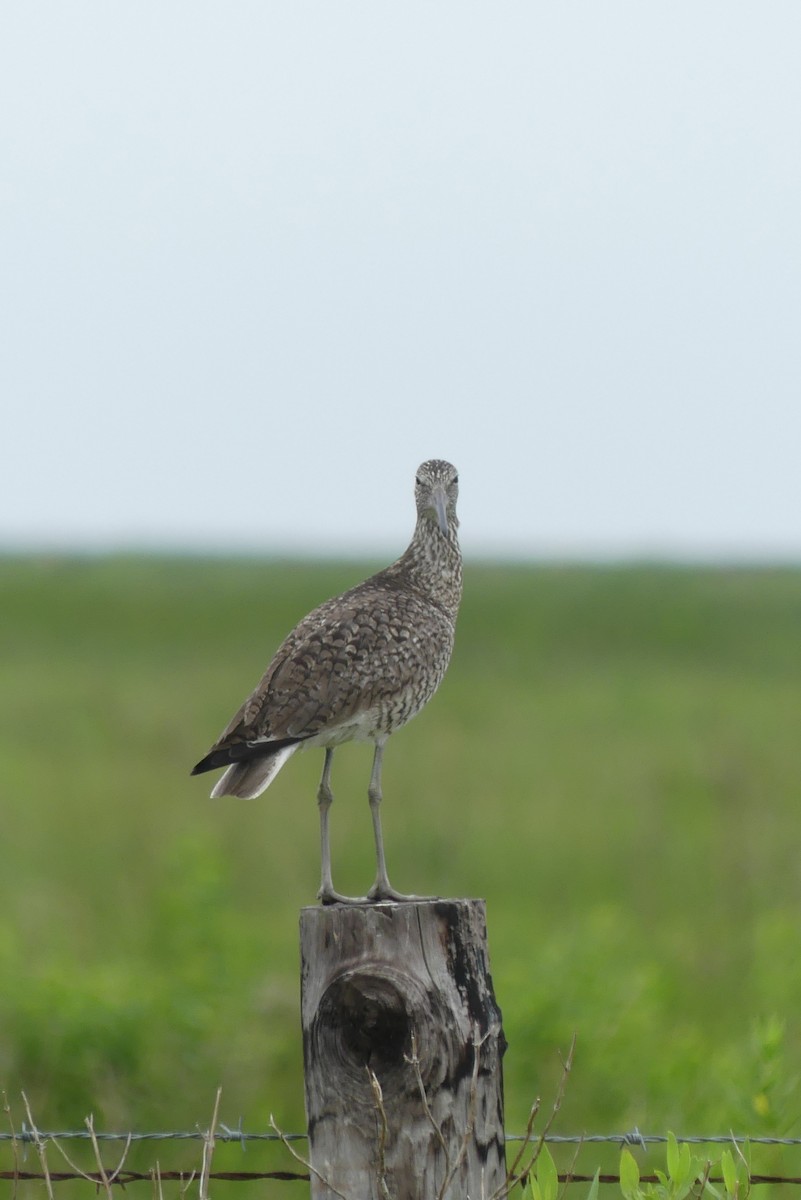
{"x": 402, "y": 1046}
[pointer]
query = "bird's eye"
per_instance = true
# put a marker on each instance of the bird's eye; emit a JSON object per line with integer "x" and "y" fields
{"x": 419, "y": 481}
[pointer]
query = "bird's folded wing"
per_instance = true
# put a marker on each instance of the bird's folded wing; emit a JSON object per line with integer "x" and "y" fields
{"x": 309, "y": 685}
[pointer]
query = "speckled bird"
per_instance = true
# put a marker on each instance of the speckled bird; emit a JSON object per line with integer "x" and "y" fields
{"x": 355, "y": 669}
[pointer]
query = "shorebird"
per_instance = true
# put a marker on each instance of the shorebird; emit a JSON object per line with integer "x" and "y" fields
{"x": 355, "y": 669}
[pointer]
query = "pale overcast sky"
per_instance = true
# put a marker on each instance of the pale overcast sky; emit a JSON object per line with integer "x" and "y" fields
{"x": 260, "y": 259}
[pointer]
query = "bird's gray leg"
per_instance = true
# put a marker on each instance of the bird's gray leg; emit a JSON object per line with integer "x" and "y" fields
{"x": 382, "y": 889}
{"x": 325, "y": 798}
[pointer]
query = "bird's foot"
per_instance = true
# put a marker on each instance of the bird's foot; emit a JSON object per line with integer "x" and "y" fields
{"x": 329, "y": 896}
{"x": 376, "y": 895}
{"x": 384, "y": 892}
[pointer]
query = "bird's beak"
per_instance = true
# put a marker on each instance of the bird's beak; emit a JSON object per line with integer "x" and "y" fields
{"x": 440, "y": 505}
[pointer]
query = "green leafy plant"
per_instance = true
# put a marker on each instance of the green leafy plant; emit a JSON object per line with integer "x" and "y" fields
{"x": 545, "y": 1178}
{"x": 686, "y": 1174}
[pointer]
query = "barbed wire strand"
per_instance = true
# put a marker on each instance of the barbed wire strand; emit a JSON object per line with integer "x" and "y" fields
{"x": 633, "y": 1137}
{"x": 223, "y": 1133}
{"x": 27, "y": 1135}
{"x": 126, "y": 1177}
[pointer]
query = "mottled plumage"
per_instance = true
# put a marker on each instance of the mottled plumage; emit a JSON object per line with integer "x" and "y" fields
{"x": 356, "y": 668}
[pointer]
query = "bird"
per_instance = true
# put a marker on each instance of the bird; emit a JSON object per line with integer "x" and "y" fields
{"x": 357, "y": 668}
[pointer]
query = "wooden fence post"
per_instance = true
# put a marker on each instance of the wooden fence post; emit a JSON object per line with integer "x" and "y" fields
{"x": 402, "y": 1047}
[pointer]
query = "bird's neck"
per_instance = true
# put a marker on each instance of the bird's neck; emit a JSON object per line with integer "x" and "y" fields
{"x": 433, "y": 565}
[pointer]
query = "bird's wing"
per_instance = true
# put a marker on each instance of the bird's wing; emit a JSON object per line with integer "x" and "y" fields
{"x": 335, "y": 663}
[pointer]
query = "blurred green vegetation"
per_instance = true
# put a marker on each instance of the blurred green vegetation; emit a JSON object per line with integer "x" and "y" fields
{"x": 613, "y": 762}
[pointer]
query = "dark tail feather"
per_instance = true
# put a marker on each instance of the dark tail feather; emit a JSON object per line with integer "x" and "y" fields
{"x": 249, "y": 779}
{"x": 241, "y": 752}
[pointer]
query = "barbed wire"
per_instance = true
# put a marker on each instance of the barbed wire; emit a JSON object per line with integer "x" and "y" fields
{"x": 223, "y": 1133}
{"x": 122, "y": 1178}
{"x": 29, "y": 1135}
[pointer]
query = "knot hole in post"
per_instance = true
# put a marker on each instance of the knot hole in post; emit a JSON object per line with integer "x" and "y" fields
{"x": 365, "y": 1021}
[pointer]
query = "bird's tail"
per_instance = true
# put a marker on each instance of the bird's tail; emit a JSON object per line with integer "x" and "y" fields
{"x": 249, "y": 779}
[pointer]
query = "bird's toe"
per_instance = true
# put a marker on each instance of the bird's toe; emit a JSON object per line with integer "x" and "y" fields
{"x": 383, "y": 894}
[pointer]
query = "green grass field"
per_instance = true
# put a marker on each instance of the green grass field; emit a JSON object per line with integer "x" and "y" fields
{"x": 613, "y": 762}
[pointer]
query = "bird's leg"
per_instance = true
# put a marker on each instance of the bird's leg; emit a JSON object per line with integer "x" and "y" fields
{"x": 382, "y": 889}
{"x": 325, "y": 798}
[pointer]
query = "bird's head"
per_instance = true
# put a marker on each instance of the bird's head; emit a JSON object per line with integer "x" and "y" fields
{"x": 435, "y": 490}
